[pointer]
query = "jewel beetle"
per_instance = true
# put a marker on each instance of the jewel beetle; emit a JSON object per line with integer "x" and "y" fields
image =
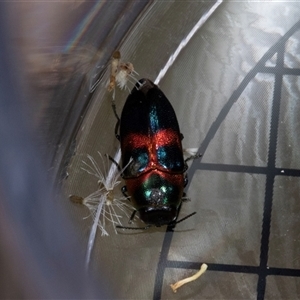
{"x": 152, "y": 155}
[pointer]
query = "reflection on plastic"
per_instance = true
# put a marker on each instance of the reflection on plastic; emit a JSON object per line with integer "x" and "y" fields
{"x": 39, "y": 255}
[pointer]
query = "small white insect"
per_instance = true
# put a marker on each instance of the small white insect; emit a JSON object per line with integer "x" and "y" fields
{"x": 126, "y": 72}
{"x": 104, "y": 204}
{"x": 121, "y": 73}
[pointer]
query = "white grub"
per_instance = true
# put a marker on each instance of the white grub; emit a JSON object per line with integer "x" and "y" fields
{"x": 121, "y": 73}
{"x": 180, "y": 283}
{"x": 105, "y": 198}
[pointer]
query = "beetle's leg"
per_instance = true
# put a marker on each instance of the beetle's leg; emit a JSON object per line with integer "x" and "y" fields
{"x": 117, "y": 129}
{"x": 185, "y": 198}
{"x": 186, "y": 180}
{"x": 132, "y": 217}
{"x": 113, "y": 105}
{"x": 118, "y": 120}
{"x": 113, "y": 161}
{"x": 193, "y": 157}
{"x": 181, "y": 136}
{"x": 124, "y": 192}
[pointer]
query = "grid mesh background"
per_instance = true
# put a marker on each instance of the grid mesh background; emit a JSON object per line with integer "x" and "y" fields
{"x": 279, "y": 223}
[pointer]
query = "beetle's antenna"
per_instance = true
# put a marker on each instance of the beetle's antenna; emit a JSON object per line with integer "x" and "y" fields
{"x": 183, "y": 219}
{"x": 134, "y": 228}
{"x": 147, "y": 227}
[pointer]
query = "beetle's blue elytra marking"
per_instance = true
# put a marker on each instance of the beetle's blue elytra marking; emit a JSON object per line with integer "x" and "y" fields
{"x": 154, "y": 121}
{"x": 141, "y": 159}
{"x": 167, "y": 158}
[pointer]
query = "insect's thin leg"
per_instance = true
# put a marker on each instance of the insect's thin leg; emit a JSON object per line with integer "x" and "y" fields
{"x": 132, "y": 77}
{"x": 113, "y": 105}
{"x": 128, "y": 88}
{"x": 132, "y": 81}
